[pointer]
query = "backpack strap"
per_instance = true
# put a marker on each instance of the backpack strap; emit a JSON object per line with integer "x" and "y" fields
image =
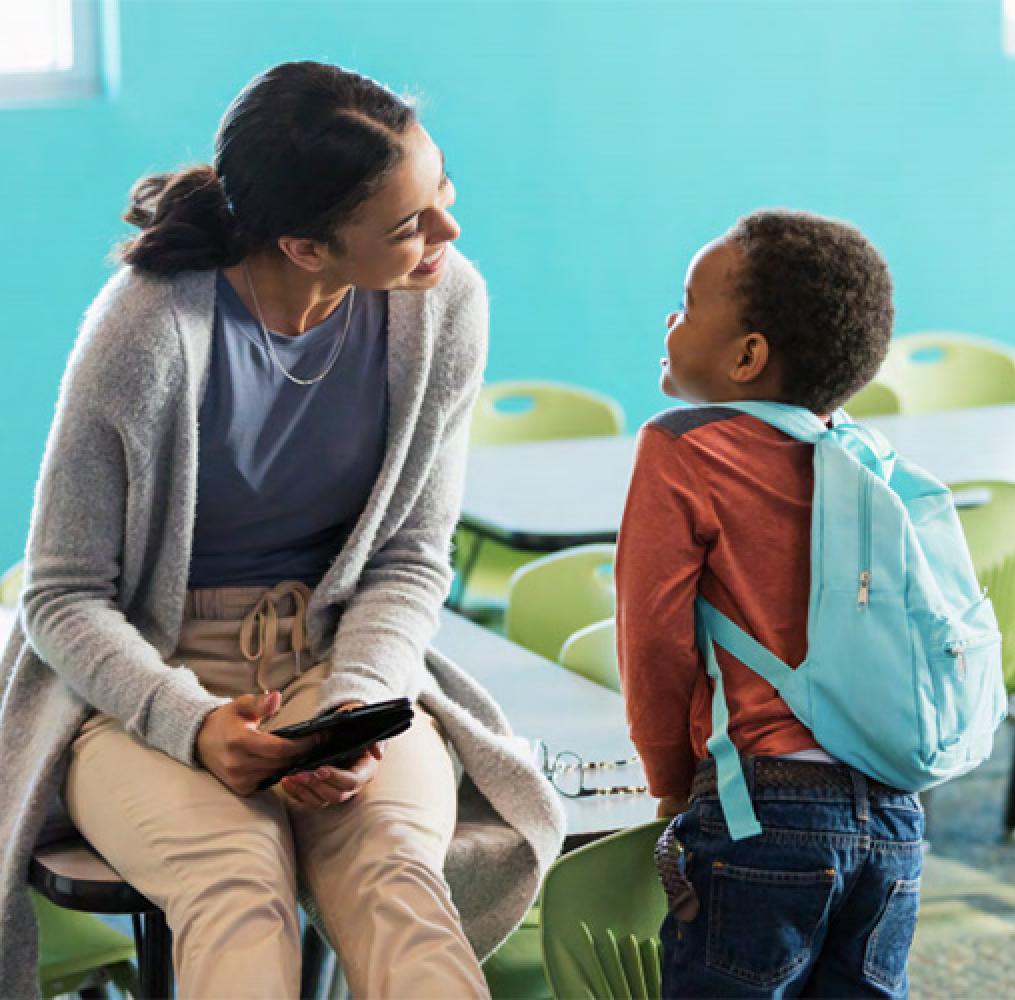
{"x": 868, "y": 446}
{"x": 734, "y": 796}
{"x": 796, "y": 421}
{"x": 744, "y": 647}
{"x": 714, "y": 626}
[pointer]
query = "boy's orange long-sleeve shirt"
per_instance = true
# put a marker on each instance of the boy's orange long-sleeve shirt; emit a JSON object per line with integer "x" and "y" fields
{"x": 719, "y": 502}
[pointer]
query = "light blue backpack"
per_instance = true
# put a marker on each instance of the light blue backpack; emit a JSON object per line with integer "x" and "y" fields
{"x": 902, "y": 678}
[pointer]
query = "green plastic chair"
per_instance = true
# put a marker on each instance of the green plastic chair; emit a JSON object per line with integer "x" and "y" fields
{"x": 874, "y": 400}
{"x": 510, "y": 413}
{"x": 555, "y": 595}
{"x": 74, "y": 947}
{"x": 592, "y": 652}
{"x": 949, "y": 371}
{"x": 515, "y": 970}
{"x": 11, "y": 584}
{"x": 987, "y": 512}
{"x": 602, "y": 909}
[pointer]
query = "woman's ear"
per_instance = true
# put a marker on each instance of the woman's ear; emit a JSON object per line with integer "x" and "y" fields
{"x": 752, "y": 359}
{"x": 307, "y": 254}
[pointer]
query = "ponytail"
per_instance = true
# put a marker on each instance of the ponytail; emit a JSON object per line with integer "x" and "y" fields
{"x": 299, "y": 149}
{"x": 185, "y": 221}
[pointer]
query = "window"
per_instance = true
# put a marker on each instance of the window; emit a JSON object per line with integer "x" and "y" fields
{"x": 49, "y": 50}
{"x": 1008, "y": 26}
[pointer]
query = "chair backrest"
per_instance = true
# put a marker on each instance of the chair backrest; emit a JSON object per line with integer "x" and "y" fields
{"x": 552, "y": 597}
{"x": 510, "y": 412}
{"x": 11, "y": 583}
{"x": 987, "y": 513}
{"x": 948, "y": 371}
{"x": 601, "y": 911}
{"x": 592, "y": 652}
{"x": 875, "y": 399}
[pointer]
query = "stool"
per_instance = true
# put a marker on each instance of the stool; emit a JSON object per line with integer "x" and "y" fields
{"x": 71, "y": 874}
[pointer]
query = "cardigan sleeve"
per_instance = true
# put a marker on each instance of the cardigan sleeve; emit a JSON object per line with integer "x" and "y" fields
{"x": 70, "y": 603}
{"x": 387, "y": 624}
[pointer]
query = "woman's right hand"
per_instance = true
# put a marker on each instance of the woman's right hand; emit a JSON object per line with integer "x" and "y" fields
{"x": 232, "y": 747}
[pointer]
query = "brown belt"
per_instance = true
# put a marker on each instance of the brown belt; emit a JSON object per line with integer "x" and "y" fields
{"x": 775, "y": 772}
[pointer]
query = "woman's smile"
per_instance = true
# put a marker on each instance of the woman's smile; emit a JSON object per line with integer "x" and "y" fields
{"x": 432, "y": 262}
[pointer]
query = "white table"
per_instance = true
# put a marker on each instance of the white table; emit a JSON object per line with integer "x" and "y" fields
{"x": 550, "y": 495}
{"x": 544, "y": 701}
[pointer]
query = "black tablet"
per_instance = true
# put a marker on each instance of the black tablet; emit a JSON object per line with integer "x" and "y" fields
{"x": 344, "y": 735}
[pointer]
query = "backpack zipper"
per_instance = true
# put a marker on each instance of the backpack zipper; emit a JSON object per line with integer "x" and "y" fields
{"x": 864, "y": 592}
{"x": 958, "y": 650}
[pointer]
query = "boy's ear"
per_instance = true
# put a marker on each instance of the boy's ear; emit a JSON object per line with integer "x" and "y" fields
{"x": 752, "y": 360}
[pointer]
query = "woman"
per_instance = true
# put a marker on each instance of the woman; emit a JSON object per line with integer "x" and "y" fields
{"x": 243, "y": 519}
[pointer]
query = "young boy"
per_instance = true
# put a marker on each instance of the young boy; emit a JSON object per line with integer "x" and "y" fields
{"x": 795, "y": 308}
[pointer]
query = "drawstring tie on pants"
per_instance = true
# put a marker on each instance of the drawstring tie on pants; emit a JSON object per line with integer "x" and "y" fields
{"x": 259, "y": 629}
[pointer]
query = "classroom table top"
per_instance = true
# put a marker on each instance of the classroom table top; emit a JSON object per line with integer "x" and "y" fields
{"x": 544, "y": 701}
{"x": 549, "y": 495}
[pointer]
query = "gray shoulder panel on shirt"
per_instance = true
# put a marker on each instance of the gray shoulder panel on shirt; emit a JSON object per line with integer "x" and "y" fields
{"x": 683, "y": 419}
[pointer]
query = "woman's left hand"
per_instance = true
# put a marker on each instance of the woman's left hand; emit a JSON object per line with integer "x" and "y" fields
{"x": 331, "y": 786}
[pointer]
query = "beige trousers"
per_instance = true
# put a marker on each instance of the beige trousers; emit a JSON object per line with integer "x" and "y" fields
{"x": 225, "y": 869}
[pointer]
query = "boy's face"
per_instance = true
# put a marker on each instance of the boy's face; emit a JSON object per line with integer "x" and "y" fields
{"x": 704, "y": 339}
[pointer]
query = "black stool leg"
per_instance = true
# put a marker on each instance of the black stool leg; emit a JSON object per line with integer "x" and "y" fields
{"x": 156, "y": 958}
{"x": 313, "y": 963}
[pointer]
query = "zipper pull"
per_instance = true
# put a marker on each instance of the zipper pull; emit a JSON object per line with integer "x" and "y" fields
{"x": 863, "y": 595}
{"x": 957, "y": 650}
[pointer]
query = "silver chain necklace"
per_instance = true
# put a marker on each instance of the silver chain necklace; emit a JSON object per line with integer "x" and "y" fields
{"x": 339, "y": 344}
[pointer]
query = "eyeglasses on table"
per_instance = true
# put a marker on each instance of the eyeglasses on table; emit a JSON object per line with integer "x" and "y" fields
{"x": 567, "y": 770}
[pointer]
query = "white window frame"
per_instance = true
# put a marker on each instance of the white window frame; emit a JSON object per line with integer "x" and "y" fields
{"x": 82, "y": 80}
{"x": 1008, "y": 27}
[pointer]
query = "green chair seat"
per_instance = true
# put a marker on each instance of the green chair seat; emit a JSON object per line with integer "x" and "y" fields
{"x": 515, "y": 970}
{"x": 601, "y": 912}
{"x": 554, "y": 596}
{"x": 74, "y": 946}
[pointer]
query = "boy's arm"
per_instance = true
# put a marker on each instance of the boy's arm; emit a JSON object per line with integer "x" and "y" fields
{"x": 660, "y": 554}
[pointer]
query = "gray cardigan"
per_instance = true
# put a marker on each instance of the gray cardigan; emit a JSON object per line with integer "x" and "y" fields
{"x": 106, "y": 576}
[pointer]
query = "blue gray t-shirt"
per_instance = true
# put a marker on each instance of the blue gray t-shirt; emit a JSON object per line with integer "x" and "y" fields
{"x": 284, "y": 470}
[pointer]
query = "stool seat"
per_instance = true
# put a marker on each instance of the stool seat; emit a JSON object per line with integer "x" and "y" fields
{"x": 71, "y": 874}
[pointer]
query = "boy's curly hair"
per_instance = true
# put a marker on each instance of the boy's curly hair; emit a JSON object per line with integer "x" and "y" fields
{"x": 821, "y": 293}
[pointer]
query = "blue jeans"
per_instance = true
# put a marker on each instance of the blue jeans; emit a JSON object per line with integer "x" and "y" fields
{"x": 823, "y": 903}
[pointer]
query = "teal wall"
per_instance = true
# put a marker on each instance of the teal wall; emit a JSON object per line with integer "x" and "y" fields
{"x": 595, "y": 146}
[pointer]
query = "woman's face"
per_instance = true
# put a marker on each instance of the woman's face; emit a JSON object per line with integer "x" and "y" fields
{"x": 399, "y": 236}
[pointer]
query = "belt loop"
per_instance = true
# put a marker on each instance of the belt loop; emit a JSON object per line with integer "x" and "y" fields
{"x": 861, "y": 803}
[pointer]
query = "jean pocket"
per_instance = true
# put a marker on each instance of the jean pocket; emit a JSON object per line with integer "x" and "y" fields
{"x": 761, "y": 923}
{"x": 887, "y": 952}
{"x": 671, "y": 865}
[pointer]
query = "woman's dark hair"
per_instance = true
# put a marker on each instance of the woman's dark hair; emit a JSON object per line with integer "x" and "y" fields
{"x": 820, "y": 291}
{"x": 297, "y": 151}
